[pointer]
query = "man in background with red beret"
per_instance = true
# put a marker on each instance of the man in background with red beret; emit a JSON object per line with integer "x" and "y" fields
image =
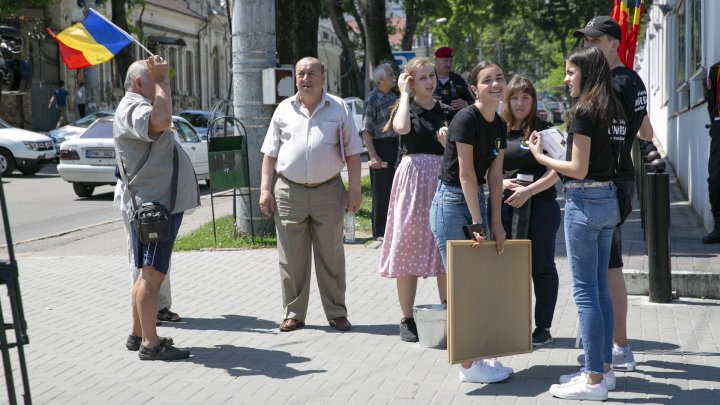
{"x": 452, "y": 88}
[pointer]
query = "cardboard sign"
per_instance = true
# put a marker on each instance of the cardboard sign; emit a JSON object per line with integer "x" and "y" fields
{"x": 489, "y": 300}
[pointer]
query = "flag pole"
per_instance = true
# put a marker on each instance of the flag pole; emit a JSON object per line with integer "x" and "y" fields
{"x": 130, "y": 37}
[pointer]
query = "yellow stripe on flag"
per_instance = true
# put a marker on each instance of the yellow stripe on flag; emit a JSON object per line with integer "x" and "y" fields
{"x": 77, "y": 37}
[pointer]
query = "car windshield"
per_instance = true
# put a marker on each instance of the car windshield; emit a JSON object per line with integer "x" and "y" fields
{"x": 552, "y": 104}
{"x": 196, "y": 120}
{"x": 102, "y": 129}
{"x": 85, "y": 122}
{"x": 4, "y": 125}
{"x": 541, "y": 105}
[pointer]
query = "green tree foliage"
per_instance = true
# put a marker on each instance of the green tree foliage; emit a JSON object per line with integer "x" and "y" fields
{"x": 8, "y": 7}
{"x": 527, "y": 37}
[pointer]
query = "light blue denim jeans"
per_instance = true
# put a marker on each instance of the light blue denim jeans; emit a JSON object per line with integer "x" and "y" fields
{"x": 591, "y": 214}
{"x": 449, "y": 213}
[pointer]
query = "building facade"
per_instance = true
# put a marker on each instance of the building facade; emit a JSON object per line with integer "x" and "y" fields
{"x": 681, "y": 42}
{"x": 193, "y": 35}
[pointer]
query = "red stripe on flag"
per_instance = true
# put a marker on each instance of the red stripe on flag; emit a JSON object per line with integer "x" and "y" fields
{"x": 73, "y": 58}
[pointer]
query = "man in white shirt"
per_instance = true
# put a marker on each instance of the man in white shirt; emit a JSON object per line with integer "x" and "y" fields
{"x": 311, "y": 137}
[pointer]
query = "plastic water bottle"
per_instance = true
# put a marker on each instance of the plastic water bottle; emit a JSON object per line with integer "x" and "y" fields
{"x": 349, "y": 234}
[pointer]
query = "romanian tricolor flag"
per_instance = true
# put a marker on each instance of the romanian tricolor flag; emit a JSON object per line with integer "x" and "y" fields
{"x": 92, "y": 41}
{"x": 633, "y": 34}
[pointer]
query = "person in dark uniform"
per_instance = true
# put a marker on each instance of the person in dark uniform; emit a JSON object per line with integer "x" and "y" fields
{"x": 713, "y": 100}
{"x": 451, "y": 87}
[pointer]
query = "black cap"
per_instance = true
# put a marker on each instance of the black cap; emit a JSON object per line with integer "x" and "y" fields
{"x": 599, "y": 26}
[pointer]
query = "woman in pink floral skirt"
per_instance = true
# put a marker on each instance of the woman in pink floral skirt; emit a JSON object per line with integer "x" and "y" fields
{"x": 409, "y": 250}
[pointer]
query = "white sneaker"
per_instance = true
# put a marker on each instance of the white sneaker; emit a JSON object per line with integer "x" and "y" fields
{"x": 494, "y": 363}
{"x": 479, "y": 372}
{"x": 608, "y": 377}
{"x": 622, "y": 358}
{"x": 579, "y": 389}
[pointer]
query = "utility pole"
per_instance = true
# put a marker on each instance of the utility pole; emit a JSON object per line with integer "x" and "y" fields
{"x": 253, "y": 49}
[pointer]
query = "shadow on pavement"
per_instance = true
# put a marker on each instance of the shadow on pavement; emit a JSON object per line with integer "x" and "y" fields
{"x": 229, "y": 323}
{"x": 248, "y": 361}
{"x": 530, "y": 382}
{"x": 384, "y": 330}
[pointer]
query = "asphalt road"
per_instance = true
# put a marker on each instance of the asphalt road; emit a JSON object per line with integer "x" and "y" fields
{"x": 46, "y": 217}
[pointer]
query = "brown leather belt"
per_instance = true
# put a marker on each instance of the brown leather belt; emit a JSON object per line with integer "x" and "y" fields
{"x": 312, "y": 185}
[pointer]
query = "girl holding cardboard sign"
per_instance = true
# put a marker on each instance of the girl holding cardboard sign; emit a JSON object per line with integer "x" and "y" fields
{"x": 475, "y": 147}
{"x": 591, "y": 214}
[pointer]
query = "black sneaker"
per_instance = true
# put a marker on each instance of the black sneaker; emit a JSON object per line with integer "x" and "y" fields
{"x": 133, "y": 342}
{"x": 163, "y": 351}
{"x": 408, "y": 330}
{"x": 541, "y": 337}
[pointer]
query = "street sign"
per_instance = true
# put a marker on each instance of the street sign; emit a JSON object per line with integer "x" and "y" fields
{"x": 401, "y": 58}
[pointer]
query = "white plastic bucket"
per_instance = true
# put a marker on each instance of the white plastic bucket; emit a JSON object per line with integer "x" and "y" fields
{"x": 431, "y": 321}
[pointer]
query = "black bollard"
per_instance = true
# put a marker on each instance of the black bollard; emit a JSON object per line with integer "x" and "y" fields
{"x": 657, "y": 227}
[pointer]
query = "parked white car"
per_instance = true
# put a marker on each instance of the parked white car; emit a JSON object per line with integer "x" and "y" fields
{"x": 88, "y": 161}
{"x": 357, "y": 107}
{"x": 24, "y": 150}
{"x": 76, "y": 128}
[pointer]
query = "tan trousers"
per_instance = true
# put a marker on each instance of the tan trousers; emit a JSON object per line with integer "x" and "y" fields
{"x": 311, "y": 218}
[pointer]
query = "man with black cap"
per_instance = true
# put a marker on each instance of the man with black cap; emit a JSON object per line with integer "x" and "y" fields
{"x": 604, "y": 33}
{"x": 451, "y": 88}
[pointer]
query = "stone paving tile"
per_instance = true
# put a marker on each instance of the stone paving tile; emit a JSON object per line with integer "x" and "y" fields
{"x": 78, "y": 320}
{"x": 77, "y": 309}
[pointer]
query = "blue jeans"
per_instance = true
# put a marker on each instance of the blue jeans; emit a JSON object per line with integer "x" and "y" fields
{"x": 449, "y": 213}
{"x": 591, "y": 215}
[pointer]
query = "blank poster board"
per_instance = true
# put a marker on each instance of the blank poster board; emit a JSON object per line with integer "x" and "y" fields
{"x": 489, "y": 301}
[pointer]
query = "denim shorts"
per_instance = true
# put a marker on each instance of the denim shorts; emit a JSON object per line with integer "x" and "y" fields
{"x": 156, "y": 255}
{"x": 449, "y": 213}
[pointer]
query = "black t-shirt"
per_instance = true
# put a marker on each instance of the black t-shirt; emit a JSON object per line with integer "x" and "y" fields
{"x": 630, "y": 90}
{"x": 424, "y": 125}
{"x": 520, "y": 160}
{"x": 487, "y": 138}
{"x": 602, "y": 152}
{"x": 454, "y": 88}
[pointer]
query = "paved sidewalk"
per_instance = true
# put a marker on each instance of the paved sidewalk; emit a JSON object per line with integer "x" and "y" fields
{"x": 77, "y": 309}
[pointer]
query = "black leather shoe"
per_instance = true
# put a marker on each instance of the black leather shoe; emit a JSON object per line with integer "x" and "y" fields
{"x": 712, "y": 237}
{"x": 341, "y": 323}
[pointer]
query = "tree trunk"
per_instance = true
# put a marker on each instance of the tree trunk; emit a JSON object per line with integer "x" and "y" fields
{"x": 124, "y": 59}
{"x": 297, "y": 30}
{"x": 411, "y": 22}
{"x": 353, "y": 74}
{"x": 376, "y": 35}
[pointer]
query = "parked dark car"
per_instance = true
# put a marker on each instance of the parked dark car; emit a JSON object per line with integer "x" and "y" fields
{"x": 554, "y": 108}
{"x": 542, "y": 111}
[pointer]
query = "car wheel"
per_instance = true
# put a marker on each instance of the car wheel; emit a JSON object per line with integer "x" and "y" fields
{"x": 83, "y": 190}
{"x": 7, "y": 163}
{"x": 29, "y": 171}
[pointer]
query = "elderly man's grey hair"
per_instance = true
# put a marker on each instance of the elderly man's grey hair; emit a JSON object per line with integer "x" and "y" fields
{"x": 382, "y": 71}
{"x": 137, "y": 69}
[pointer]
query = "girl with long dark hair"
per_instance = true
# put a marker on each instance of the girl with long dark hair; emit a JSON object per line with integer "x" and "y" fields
{"x": 591, "y": 214}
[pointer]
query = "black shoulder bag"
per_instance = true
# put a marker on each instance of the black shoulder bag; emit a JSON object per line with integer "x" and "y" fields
{"x": 151, "y": 220}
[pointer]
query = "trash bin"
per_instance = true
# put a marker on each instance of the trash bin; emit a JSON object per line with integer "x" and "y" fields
{"x": 431, "y": 321}
{"x": 227, "y": 158}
